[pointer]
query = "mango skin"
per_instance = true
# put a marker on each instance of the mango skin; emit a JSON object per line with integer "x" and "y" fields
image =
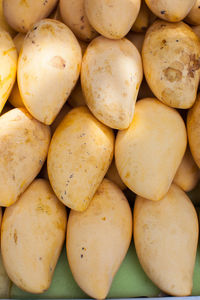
{"x": 98, "y": 239}
{"x": 8, "y": 57}
{"x": 170, "y": 56}
{"x": 166, "y": 237}
{"x": 193, "y": 130}
{"x": 111, "y": 75}
{"x": 149, "y": 152}
{"x": 32, "y": 236}
{"x": 48, "y": 68}
{"x": 15, "y": 98}
{"x": 21, "y": 15}
{"x": 3, "y": 24}
{"x": 24, "y": 145}
{"x": 188, "y": 173}
{"x": 104, "y": 16}
{"x": 193, "y": 17}
{"x": 79, "y": 156}
{"x": 73, "y": 15}
{"x": 171, "y": 11}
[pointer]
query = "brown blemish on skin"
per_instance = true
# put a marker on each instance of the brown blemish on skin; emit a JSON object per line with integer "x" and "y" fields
{"x": 47, "y": 27}
{"x": 43, "y": 208}
{"x": 194, "y": 65}
{"x": 127, "y": 175}
{"x": 172, "y": 74}
{"x": 57, "y": 62}
{"x": 15, "y": 236}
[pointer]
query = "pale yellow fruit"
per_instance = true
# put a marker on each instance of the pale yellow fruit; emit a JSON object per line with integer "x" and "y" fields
{"x": 193, "y": 17}
{"x": 15, "y": 98}
{"x": 98, "y": 240}
{"x": 193, "y": 130}
{"x": 32, "y": 236}
{"x": 24, "y": 145}
{"x": 48, "y": 68}
{"x": 73, "y": 15}
{"x": 18, "y": 41}
{"x": 149, "y": 152}
{"x": 171, "y": 63}
{"x": 187, "y": 174}
{"x": 3, "y": 24}
{"x": 113, "y": 176}
{"x": 143, "y": 19}
{"x": 4, "y": 280}
{"x": 77, "y": 98}
{"x": 112, "y": 18}
{"x": 111, "y": 75}
{"x": 80, "y": 153}
{"x": 170, "y": 10}
{"x": 166, "y": 236}
{"x": 23, "y": 14}
{"x": 8, "y": 66}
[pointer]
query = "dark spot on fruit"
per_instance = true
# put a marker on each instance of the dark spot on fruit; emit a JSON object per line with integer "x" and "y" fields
{"x": 57, "y": 62}
{"x": 15, "y": 236}
{"x": 163, "y": 12}
{"x": 194, "y": 65}
{"x": 172, "y": 74}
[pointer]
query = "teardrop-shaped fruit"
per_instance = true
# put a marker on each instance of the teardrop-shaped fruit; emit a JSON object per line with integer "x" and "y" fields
{"x": 111, "y": 75}
{"x": 149, "y": 152}
{"x": 98, "y": 239}
{"x": 48, "y": 68}
{"x": 32, "y": 236}
{"x": 80, "y": 154}
{"x": 166, "y": 236}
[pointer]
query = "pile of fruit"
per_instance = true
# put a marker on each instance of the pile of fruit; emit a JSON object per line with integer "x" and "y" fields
{"x": 104, "y": 159}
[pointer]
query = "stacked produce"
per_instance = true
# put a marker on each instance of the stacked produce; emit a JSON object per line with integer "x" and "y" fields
{"x": 100, "y": 146}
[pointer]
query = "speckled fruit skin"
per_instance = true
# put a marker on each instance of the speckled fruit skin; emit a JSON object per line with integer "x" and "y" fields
{"x": 170, "y": 56}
